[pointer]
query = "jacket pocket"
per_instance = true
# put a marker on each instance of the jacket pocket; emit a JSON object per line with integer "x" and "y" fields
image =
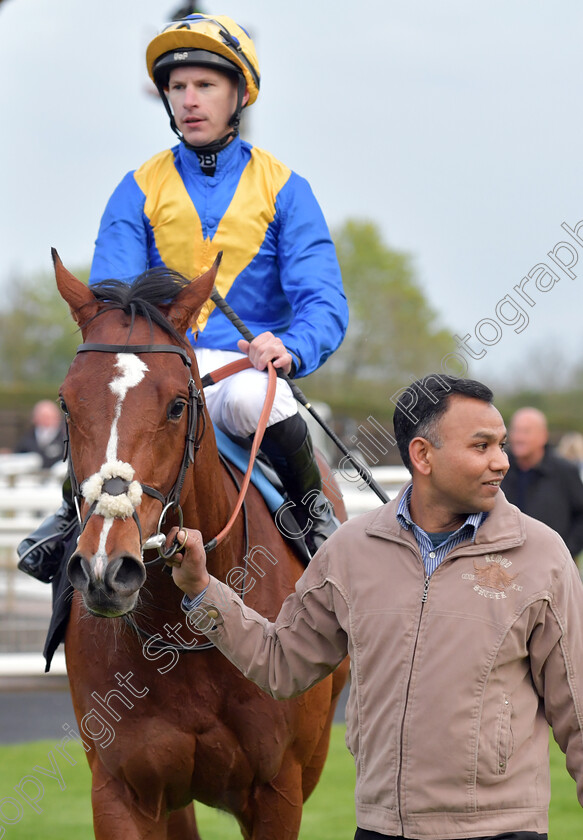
{"x": 504, "y": 738}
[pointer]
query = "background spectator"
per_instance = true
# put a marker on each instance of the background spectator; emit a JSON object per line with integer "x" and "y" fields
{"x": 542, "y": 483}
{"x": 46, "y": 435}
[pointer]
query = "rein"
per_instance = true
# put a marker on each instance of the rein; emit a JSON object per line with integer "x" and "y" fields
{"x": 257, "y": 438}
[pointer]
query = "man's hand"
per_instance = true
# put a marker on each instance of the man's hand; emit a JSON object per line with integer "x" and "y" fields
{"x": 189, "y": 565}
{"x": 265, "y": 348}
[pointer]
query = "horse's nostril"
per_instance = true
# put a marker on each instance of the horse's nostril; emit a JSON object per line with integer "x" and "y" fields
{"x": 125, "y": 575}
{"x": 78, "y": 572}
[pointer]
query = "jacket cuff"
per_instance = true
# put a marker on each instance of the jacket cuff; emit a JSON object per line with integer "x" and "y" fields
{"x": 296, "y": 363}
{"x": 205, "y": 610}
{"x": 187, "y": 604}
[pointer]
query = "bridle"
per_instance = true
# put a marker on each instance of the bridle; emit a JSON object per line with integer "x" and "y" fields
{"x": 196, "y": 425}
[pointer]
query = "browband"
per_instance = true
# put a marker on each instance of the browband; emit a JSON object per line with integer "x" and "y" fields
{"x": 136, "y": 348}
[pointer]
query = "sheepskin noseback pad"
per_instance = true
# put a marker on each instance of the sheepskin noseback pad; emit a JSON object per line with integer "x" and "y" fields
{"x": 115, "y": 494}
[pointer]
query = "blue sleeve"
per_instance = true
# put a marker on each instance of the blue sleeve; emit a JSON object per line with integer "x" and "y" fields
{"x": 121, "y": 248}
{"x": 310, "y": 277}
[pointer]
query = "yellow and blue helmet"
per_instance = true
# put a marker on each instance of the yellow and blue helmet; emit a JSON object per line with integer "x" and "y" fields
{"x": 204, "y": 40}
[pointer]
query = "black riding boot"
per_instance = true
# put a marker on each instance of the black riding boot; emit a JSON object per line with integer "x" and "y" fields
{"x": 42, "y": 553}
{"x": 288, "y": 446}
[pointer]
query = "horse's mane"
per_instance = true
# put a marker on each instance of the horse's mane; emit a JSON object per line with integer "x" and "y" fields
{"x": 143, "y": 296}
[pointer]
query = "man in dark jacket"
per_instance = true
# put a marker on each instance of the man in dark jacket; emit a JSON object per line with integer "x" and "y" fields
{"x": 46, "y": 435}
{"x": 542, "y": 484}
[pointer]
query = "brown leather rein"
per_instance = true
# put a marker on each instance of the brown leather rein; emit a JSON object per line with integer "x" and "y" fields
{"x": 217, "y": 376}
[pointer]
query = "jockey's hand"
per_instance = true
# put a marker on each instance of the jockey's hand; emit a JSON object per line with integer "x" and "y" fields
{"x": 267, "y": 347}
{"x": 188, "y": 565}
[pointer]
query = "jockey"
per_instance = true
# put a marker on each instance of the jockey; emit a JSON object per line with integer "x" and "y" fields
{"x": 214, "y": 192}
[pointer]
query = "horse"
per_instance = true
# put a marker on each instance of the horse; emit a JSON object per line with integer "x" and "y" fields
{"x": 164, "y": 718}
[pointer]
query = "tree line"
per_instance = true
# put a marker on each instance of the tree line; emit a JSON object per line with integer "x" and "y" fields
{"x": 394, "y": 335}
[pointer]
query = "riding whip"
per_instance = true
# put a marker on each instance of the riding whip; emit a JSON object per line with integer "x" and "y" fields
{"x": 363, "y": 472}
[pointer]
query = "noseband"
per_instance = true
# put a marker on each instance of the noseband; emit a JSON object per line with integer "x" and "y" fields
{"x": 196, "y": 424}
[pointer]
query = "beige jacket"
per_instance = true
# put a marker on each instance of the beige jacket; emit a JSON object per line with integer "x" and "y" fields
{"x": 453, "y": 678}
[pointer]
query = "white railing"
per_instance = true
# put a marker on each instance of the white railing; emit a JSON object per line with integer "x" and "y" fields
{"x": 358, "y": 496}
{"x": 28, "y": 495}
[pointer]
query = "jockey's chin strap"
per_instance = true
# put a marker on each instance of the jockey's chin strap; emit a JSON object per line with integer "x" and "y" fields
{"x": 196, "y": 424}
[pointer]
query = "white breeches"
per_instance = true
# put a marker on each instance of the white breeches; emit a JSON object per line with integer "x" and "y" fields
{"x": 235, "y": 403}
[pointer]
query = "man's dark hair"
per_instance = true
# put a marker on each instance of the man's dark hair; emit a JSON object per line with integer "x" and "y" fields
{"x": 420, "y": 407}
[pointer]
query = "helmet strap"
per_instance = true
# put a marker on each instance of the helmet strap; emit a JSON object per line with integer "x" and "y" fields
{"x": 210, "y": 148}
{"x": 241, "y": 88}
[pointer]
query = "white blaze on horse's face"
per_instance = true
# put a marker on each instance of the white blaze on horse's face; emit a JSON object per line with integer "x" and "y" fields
{"x": 98, "y": 559}
{"x": 132, "y": 371}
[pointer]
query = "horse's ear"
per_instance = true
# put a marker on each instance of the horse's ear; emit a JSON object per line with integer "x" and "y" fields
{"x": 81, "y": 300}
{"x": 187, "y": 305}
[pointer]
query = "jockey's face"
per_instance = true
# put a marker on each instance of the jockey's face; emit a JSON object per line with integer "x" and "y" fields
{"x": 203, "y": 101}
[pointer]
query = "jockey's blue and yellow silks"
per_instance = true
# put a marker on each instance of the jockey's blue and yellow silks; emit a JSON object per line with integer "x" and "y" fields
{"x": 279, "y": 270}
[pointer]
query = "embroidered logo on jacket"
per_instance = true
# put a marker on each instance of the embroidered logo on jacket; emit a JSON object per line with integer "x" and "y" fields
{"x": 492, "y": 579}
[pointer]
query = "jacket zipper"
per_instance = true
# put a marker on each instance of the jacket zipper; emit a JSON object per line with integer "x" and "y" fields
{"x": 423, "y": 602}
{"x": 424, "y": 598}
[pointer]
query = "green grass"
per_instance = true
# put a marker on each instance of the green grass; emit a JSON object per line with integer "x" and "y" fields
{"x": 328, "y": 815}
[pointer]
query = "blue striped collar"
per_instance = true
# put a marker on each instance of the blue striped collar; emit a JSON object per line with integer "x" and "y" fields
{"x": 431, "y": 556}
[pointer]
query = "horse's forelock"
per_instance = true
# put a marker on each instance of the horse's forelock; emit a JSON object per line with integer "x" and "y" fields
{"x": 143, "y": 296}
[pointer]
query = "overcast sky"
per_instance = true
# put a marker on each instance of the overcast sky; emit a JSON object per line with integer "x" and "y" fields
{"x": 455, "y": 125}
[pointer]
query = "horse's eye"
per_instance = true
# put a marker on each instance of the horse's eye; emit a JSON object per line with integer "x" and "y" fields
{"x": 176, "y": 409}
{"x": 63, "y": 406}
